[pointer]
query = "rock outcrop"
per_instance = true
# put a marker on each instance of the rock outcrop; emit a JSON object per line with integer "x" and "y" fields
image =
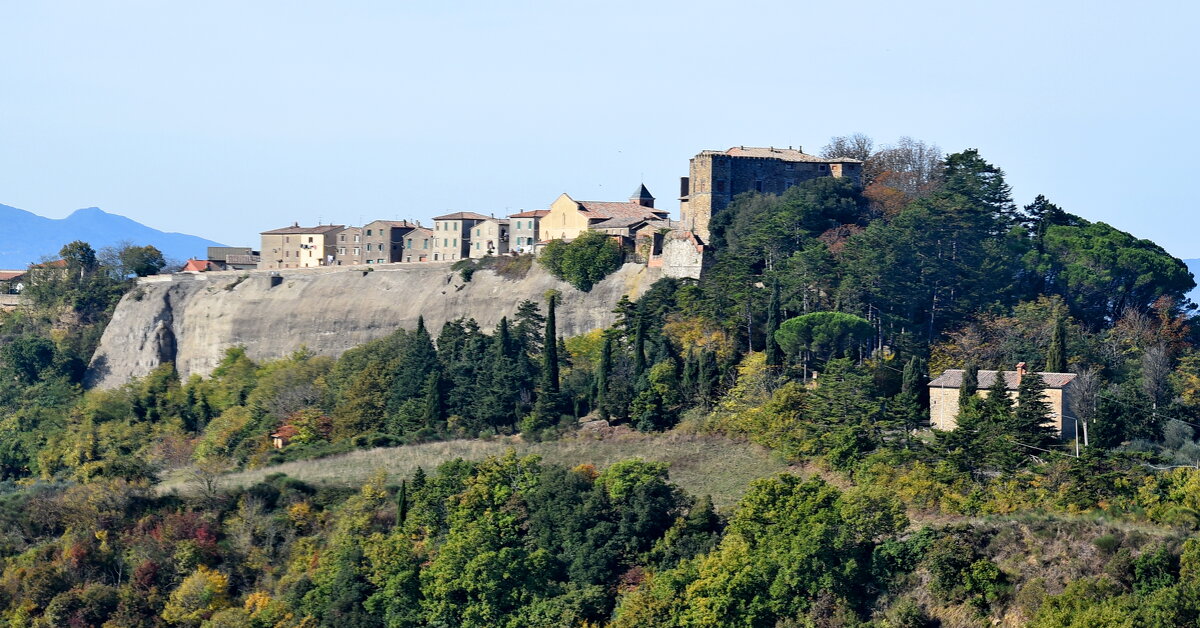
{"x": 192, "y": 319}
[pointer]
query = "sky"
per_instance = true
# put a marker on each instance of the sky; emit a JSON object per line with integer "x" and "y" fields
{"x": 226, "y": 118}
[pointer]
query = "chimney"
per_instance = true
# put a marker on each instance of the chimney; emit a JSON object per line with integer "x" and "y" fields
{"x": 1020, "y": 372}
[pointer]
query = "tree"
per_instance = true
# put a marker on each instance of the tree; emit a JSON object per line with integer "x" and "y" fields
{"x": 823, "y": 336}
{"x": 1032, "y": 423}
{"x": 201, "y": 594}
{"x": 141, "y": 260}
{"x": 584, "y": 261}
{"x": 1056, "y": 351}
{"x": 774, "y": 351}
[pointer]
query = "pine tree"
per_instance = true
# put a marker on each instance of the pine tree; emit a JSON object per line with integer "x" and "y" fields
{"x": 1031, "y": 423}
{"x": 548, "y": 407}
{"x": 419, "y": 479}
{"x": 639, "y": 347}
{"x": 774, "y": 351}
{"x": 970, "y": 384}
{"x": 997, "y": 406}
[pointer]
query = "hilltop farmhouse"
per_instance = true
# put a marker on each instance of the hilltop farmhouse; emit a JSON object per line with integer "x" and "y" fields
{"x": 943, "y": 396}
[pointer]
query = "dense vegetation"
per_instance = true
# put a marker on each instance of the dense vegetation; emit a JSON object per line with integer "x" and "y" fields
{"x": 814, "y": 333}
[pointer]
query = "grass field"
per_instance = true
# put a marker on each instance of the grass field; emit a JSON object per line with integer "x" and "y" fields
{"x": 701, "y": 465}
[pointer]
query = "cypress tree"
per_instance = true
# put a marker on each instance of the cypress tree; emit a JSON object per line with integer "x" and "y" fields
{"x": 603, "y": 372}
{"x": 433, "y": 400}
{"x": 1056, "y": 352}
{"x": 639, "y": 347}
{"x": 774, "y": 351}
{"x": 550, "y": 348}
{"x": 970, "y": 384}
{"x": 402, "y": 503}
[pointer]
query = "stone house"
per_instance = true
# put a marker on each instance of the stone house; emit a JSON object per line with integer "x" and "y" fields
{"x": 383, "y": 240}
{"x": 943, "y": 396}
{"x": 299, "y": 247}
{"x": 12, "y": 281}
{"x": 349, "y": 247}
{"x": 418, "y": 245}
{"x": 716, "y": 177}
{"x": 490, "y": 237}
{"x": 452, "y": 235}
{"x": 568, "y": 217}
{"x": 523, "y": 230}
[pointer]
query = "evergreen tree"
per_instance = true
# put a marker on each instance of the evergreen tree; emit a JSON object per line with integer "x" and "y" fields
{"x": 1031, "y": 422}
{"x": 639, "y": 347}
{"x": 549, "y": 405}
{"x": 1056, "y": 352}
{"x": 434, "y": 412}
{"x": 417, "y": 359}
{"x": 774, "y": 351}
{"x": 970, "y": 384}
{"x": 603, "y": 373}
{"x": 419, "y": 479}
{"x": 402, "y": 503}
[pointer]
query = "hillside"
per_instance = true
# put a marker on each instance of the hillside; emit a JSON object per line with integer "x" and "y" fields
{"x": 27, "y": 237}
{"x": 700, "y": 464}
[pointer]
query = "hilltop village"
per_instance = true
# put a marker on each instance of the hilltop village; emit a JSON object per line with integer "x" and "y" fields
{"x": 646, "y": 233}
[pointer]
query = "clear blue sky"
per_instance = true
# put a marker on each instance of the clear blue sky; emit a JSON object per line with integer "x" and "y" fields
{"x": 226, "y": 118}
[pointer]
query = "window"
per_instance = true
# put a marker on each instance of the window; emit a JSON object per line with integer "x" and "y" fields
{"x": 477, "y": 233}
{"x": 356, "y": 237}
{"x": 310, "y": 239}
{"x": 455, "y": 241}
{"x": 437, "y": 226}
{"x": 425, "y": 243}
{"x": 476, "y": 246}
{"x": 445, "y": 241}
{"x": 379, "y": 261}
{"x": 342, "y": 237}
{"x": 410, "y": 243}
{"x": 341, "y": 250}
{"x": 368, "y": 261}
{"x": 356, "y": 250}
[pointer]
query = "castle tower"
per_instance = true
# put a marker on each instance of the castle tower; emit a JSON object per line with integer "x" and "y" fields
{"x": 642, "y": 197}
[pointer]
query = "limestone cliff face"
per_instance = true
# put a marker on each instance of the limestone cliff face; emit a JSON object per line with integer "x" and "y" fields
{"x": 192, "y": 319}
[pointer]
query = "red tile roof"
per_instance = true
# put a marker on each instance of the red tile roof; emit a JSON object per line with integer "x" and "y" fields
{"x": 7, "y": 275}
{"x": 462, "y": 216}
{"x": 302, "y": 230}
{"x": 198, "y": 265}
{"x": 533, "y": 213}
{"x": 602, "y": 210}
{"x": 952, "y": 378}
{"x": 58, "y": 263}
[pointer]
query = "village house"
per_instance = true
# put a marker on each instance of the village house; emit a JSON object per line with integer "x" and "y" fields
{"x": 383, "y": 240}
{"x": 349, "y": 247}
{"x": 299, "y": 247}
{"x": 201, "y": 266}
{"x": 943, "y": 396}
{"x": 523, "y": 230}
{"x": 452, "y": 235}
{"x": 234, "y": 257}
{"x": 490, "y": 237}
{"x": 716, "y": 177}
{"x": 12, "y": 281}
{"x": 567, "y": 217}
{"x": 418, "y": 245}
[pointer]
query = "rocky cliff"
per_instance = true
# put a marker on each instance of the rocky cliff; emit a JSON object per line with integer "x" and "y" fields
{"x": 192, "y": 319}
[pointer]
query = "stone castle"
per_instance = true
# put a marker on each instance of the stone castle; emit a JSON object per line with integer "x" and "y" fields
{"x": 716, "y": 177}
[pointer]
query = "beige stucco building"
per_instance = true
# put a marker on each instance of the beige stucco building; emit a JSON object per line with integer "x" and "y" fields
{"x": 490, "y": 237}
{"x": 943, "y": 396}
{"x": 452, "y": 235}
{"x": 568, "y": 217}
{"x": 299, "y": 247}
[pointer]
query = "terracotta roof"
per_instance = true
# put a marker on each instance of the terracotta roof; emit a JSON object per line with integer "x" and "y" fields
{"x": 534, "y": 213}
{"x": 952, "y": 378}
{"x": 199, "y": 265}
{"x": 462, "y": 216}
{"x": 499, "y": 221}
{"x": 421, "y": 232}
{"x": 287, "y": 431}
{"x": 303, "y": 230}
{"x": 783, "y": 154}
{"x": 601, "y": 210}
{"x": 6, "y": 275}
{"x": 58, "y": 263}
{"x": 399, "y": 224}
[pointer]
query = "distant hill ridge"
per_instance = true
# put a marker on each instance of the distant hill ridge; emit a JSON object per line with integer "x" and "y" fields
{"x": 27, "y": 237}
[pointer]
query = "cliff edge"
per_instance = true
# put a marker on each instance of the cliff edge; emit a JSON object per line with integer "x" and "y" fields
{"x": 191, "y": 319}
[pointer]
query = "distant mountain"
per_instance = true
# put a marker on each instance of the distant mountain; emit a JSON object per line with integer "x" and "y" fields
{"x": 1194, "y": 266}
{"x": 27, "y": 237}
